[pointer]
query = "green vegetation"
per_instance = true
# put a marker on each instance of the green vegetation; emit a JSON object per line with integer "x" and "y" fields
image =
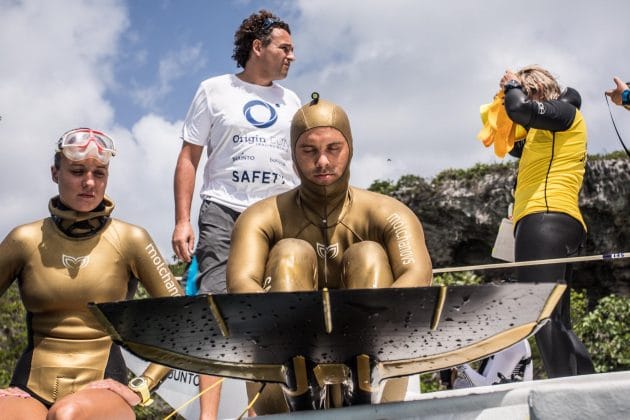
{"x": 606, "y": 334}
{"x": 477, "y": 171}
{"x": 386, "y": 187}
{"x": 618, "y": 154}
{"x": 178, "y": 267}
{"x": 462, "y": 278}
{"x": 405, "y": 183}
{"x": 13, "y": 338}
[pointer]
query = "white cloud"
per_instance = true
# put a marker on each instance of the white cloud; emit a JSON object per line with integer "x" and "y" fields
{"x": 141, "y": 177}
{"x": 412, "y": 75}
{"x": 54, "y": 71}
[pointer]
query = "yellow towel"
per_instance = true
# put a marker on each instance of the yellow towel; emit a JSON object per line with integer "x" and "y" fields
{"x": 498, "y": 128}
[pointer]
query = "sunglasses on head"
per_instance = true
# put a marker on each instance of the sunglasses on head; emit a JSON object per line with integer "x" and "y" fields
{"x": 269, "y": 22}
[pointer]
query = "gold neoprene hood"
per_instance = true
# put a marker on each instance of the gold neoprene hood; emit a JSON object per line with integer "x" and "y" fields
{"x": 320, "y": 113}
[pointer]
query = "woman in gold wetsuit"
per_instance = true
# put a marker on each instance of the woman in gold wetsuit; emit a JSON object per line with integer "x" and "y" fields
{"x": 71, "y": 368}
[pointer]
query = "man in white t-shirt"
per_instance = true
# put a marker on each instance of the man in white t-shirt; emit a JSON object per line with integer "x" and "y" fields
{"x": 243, "y": 121}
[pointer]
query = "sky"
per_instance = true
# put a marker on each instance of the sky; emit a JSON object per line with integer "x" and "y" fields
{"x": 410, "y": 74}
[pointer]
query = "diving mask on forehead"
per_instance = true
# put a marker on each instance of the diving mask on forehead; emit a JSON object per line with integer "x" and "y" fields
{"x": 85, "y": 143}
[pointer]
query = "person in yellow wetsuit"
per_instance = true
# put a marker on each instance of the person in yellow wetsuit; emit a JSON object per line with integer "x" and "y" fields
{"x": 547, "y": 218}
{"x": 80, "y": 254}
{"x": 325, "y": 233}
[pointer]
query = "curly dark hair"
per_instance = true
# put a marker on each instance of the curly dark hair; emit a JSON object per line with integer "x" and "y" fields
{"x": 256, "y": 26}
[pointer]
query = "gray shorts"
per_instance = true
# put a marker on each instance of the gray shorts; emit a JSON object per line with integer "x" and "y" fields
{"x": 215, "y": 228}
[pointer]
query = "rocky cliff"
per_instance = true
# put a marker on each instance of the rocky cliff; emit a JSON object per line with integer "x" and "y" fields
{"x": 461, "y": 211}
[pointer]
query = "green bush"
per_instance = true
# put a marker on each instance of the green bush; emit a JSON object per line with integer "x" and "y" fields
{"x": 13, "y": 338}
{"x": 605, "y": 331}
{"x": 462, "y": 278}
{"x": 386, "y": 187}
{"x": 479, "y": 170}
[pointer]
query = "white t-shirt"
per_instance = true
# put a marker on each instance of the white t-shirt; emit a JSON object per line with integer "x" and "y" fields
{"x": 246, "y": 129}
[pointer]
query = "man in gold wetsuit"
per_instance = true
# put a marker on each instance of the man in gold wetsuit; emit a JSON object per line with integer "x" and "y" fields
{"x": 78, "y": 255}
{"x": 325, "y": 233}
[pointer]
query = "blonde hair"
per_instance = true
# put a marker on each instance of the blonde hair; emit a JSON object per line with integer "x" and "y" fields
{"x": 536, "y": 79}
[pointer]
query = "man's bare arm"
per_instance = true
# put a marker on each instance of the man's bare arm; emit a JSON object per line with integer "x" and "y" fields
{"x": 184, "y": 186}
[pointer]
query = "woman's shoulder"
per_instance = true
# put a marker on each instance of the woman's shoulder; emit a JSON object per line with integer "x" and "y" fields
{"x": 24, "y": 239}
{"x": 127, "y": 231}
{"x": 28, "y": 231}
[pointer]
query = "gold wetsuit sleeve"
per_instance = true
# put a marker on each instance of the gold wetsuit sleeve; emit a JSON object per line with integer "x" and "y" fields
{"x": 149, "y": 266}
{"x": 152, "y": 270}
{"x": 11, "y": 258}
{"x": 403, "y": 239}
{"x": 252, "y": 235}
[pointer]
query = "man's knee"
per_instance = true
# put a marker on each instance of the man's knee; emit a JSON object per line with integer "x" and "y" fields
{"x": 291, "y": 266}
{"x": 366, "y": 266}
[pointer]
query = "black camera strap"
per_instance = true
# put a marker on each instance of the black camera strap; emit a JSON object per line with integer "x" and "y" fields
{"x": 615, "y": 126}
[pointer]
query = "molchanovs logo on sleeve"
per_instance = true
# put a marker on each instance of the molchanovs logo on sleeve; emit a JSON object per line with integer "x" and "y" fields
{"x": 162, "y": 268}
{"x": 402, "y": 237}
{"x": 260, "y": 114}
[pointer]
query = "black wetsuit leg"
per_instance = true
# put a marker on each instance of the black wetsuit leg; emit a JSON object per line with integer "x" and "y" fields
{"x": 554, "y": 235}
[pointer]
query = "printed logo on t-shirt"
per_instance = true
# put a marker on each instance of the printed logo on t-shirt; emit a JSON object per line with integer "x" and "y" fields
{"x": 260, "y": 114}
{"x": 272, "y": 142}
{"x": 243, "y": 156}
{"x": 278, "y": 161}
{"x": 262, "y": 177}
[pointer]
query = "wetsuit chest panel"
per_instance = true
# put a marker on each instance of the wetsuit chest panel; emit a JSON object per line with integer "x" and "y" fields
{"x": 329, "y": 244}
{"x": 65, "y": 276}
{"x": 369, "y": 217}
{"x": 58, "y": 276}
{"x": 551, "y": 171}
